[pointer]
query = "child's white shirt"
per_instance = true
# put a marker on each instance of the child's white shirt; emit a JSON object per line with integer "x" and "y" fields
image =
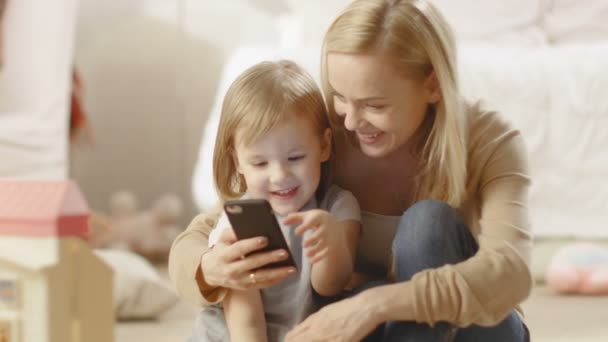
{"x": 290, "y": 301}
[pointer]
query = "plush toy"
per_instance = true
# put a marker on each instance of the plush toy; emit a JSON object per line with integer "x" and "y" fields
{"x": 580, "y": 268}
{"x": 147, "y": 232}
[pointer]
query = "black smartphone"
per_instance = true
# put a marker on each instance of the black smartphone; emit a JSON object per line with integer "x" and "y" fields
{"x": 254, "y": 217}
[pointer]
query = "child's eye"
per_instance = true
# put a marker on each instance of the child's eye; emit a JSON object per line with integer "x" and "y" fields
{"x": 259, "y": 164}
{"x": 296, "y": 158}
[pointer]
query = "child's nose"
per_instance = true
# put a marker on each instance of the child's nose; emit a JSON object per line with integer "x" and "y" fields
{"x": 279, "y": 173}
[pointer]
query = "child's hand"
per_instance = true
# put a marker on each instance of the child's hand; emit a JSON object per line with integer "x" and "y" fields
{"x": 323, "y": 237}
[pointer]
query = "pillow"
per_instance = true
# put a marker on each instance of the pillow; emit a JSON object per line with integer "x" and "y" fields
{"x": 516, "y": 22}
{"x": 139, "y": 292}
{"x": 569, "y": 21}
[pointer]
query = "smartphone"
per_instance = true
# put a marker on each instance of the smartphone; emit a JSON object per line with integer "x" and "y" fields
{"x": 254, "y": 217}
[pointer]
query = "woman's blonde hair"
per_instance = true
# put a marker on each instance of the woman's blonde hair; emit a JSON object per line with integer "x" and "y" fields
{"x": 260, "y": 98}
{"x": 419, "y": 41}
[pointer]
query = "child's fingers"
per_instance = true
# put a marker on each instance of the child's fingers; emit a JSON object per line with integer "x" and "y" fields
{"x": 314, "y": 249}
{"x": 319, "y": 256}
{"x": 304, "y": 227}
{"x": 314, "y": 237}
{"x": 294, "y": 218}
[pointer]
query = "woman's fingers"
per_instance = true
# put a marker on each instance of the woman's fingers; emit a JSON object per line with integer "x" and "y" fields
{"x": 270, "y": 276}
{"x": 227, "y": 236}
{"x": 259, "y": 260}
{"x": 241, "y": 248}
{"x": 262, "y": 278}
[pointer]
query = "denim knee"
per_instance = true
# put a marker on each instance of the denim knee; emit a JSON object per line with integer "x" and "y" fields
{"x": 430, "y": 234}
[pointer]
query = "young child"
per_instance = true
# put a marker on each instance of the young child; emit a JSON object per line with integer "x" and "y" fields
{"x": 274, "y": 143}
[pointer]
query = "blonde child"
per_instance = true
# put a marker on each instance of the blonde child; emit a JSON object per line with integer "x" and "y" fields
{"x": 274, "y": 143}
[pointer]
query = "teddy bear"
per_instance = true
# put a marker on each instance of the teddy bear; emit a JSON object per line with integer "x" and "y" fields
{"x": 149, "y": 233}
{"x": 579, "y": 268}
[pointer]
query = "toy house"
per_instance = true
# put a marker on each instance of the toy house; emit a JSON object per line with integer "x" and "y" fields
{"x": 52, "y": 287}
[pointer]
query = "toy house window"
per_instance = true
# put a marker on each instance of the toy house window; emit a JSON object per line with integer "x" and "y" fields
{"x": 9, "y": 294}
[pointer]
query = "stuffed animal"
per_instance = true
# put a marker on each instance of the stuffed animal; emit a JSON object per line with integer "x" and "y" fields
{"x": 149, "y": 233}
{"x": 580, "y": 268}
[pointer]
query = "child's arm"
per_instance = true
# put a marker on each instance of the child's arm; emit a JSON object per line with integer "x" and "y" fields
{"x": 331, "y": 248}
{"x": 244, "y": 314}
{"x": 331, "y": 274}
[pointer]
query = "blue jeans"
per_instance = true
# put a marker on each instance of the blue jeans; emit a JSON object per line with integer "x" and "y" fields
{"x": 432, "y": 234}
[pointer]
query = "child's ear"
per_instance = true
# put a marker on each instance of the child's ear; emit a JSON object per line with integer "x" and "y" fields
{"x": 433, "y": 88}
{"x": 326, "y": 145}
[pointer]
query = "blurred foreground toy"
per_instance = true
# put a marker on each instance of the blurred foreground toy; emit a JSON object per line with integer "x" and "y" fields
{"x": 580, "y": 268}
{"x": 149, "y": 232}
{"x": 52, "y": 287}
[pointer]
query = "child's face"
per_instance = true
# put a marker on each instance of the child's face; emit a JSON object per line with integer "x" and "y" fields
{"x": 284, "y": 165}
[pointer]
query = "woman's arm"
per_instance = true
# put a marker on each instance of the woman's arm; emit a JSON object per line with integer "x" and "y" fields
{"x": 244, "y": 315}
{"x": 488, "y": 286}
{"x": 185, "y": 259}
{"x": 202, "y": 275}
{"x": 354, "y": 318}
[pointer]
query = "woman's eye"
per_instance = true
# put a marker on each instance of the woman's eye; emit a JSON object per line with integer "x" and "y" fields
{"x": 295, "y": 158}
{"x": 375, "y": 106}
{"x": 259, "y": 164}
{"x": 339, "y": 98}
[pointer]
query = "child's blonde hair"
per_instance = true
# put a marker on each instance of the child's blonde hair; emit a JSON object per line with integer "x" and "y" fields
{"x": 419, "y": 41}
{"x": 260, "y": 98}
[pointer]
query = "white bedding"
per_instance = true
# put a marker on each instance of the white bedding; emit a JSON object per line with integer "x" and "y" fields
{"x": 555, "y": 95}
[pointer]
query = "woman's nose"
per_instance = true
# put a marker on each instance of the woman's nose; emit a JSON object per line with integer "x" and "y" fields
{"x": 352, "y": 118}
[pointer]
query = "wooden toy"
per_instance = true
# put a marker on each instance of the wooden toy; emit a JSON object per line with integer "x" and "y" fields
{"x": 52, "y": 286}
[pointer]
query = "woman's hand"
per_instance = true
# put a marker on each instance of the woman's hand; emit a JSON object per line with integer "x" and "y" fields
{"x": 346, "y": 320}
{"x": 323, "y": 237}
{"x": 226, "y": 265}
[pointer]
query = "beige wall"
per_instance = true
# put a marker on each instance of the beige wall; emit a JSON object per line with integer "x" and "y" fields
{"x": 150, "y": 70}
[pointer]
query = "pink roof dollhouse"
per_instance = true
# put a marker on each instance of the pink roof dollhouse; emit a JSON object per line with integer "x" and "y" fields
{"x": 52, "y": 287}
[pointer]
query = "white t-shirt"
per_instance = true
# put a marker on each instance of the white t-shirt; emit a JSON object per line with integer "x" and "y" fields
{"x": 290, "y": 301}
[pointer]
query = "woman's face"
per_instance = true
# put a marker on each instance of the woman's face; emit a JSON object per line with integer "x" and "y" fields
{"x": 379, "y": 105}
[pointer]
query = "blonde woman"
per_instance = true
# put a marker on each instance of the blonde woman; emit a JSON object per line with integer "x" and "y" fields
{"x": 442, "y": 185}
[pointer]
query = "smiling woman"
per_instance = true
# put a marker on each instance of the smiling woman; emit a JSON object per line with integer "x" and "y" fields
{"x": 442, "y": 184}
{"x": 371, "y": 102}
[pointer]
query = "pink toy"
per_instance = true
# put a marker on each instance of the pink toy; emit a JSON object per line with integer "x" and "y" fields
{"x": 580, "y": 268}
{"x": 42, "y": 209}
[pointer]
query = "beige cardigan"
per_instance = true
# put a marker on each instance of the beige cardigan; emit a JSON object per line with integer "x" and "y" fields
{"x": 481, "y": 290}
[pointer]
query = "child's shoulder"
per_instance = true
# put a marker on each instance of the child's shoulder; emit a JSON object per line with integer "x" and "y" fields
{"x": 338, "y": 201}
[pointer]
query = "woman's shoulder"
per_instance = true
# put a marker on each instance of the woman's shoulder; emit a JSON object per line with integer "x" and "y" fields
{"x": 484, "y": 122}
{"x": 488, "y": 132}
